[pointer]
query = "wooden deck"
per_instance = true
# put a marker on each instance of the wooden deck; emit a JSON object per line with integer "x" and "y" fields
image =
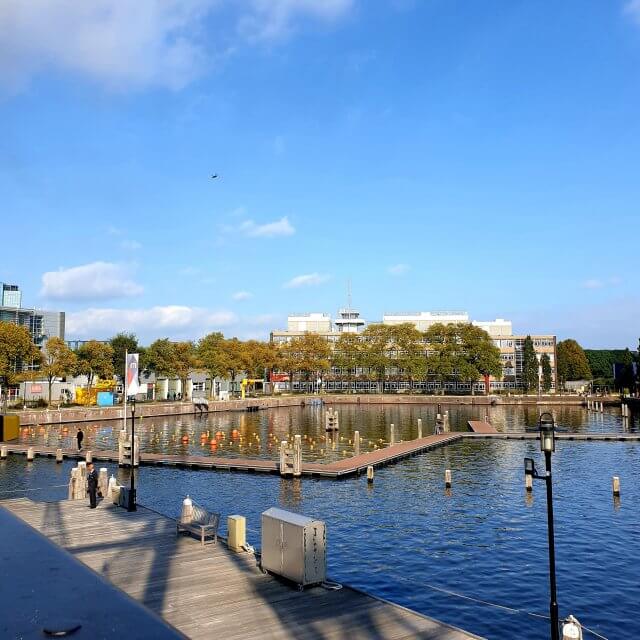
{"x": 210, "y": 592}
{"x": 340, "y": 469}
{"x": 480, "y": 426}
{"x": 345, "y": 468}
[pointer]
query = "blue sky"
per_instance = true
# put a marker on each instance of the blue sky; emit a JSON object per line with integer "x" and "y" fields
{"x": 441, "y": 154}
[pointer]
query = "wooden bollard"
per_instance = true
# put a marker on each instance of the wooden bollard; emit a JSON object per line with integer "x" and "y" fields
{"x": 392, "y": 434}
{"x": 602, "y": 407}
{"x": 187, "y": 511}
{"x": 370, "y": 474}
{"x": 447, "y": 478}
{"x": 237, "y": 533}
{"x": 3, "y": 452}
{"x": 356, "y": 443}
{"x": 30, "y": 454}
{"x": 528, "y": 482}
{"x": 419, "y": 428}
{"x": 59, "y": 456}
{"x": 616, "y": 485}
{"x": 103, "y": 481}
{"x": 88, "y": 457}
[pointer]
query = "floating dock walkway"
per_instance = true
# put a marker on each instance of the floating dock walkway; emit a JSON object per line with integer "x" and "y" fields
{"x": 211, "y": 592}
{"x": 349, "y": 466}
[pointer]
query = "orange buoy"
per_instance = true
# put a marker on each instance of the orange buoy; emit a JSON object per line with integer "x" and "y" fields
{"x": 235, "y": 433}
{"x": 219, "y": 434}
{"x": 185, "y": 439}
{"x": 214, "y": 445}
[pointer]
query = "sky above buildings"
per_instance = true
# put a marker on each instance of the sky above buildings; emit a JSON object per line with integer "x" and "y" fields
{"x": 440, "y": 154}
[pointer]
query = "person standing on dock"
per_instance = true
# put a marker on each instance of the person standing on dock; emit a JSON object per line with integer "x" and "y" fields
{"x": 80, "y": 438}
{"x": 92, "y": 484}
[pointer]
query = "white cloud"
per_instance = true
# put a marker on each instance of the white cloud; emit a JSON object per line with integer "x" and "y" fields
{"x": 274, "y": 19}
{"x": 242, "y": 295}
{"x": 306, "y": 280}
{"x": 171, "y": 320}
{"x": 125, "y": 44}
{"x": 131, "y": 245}
{"x": 398, "y": 269}
{"x": 94, "y": 281}
{"x": 600, "y": 283}
{"x": 273, "y": 229}
{"x": 632, "y": 9}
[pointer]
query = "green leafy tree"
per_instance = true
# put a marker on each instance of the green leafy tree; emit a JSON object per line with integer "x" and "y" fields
{"x": 530, "y": 375}
{"x": 173, "y": 360}
{"x": 348, "y": 355}
{"x": 407, "y": 351}
{"x": 186, "y": 361}
{"x": 479, "y": 356}
{"x": 58, "y": 361}
{"x": 572, "y": 362}
{"x": 442, "y": 353}
{"x": 95, "y": 360}
{"x": 547, "y": 373}
{"x": 307, "y": 354}
{"x": 212, "y": 357}
{"x": 626, "y": 377}
{"x": 235, "y": 358}
{"x": 375, "y": 353}
{"x": 16, "y": 347}
{"x": 124, "y": 343}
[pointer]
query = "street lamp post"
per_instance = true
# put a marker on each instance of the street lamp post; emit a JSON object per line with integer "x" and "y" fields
{"x": 546, "y": 426}
{"x": 132, "y": 488}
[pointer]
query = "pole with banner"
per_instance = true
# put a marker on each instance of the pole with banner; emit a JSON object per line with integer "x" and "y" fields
{"x": 124, "y": 391}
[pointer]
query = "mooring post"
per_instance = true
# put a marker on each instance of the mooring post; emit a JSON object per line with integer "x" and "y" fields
{"x": 616, "y": 485}
{"x": 88, "y": 456}
{"x": 392, "y": 435}
{"x": 602, "y": 407}
{"x": 297, "y": 456}
{"x": 30, "y": 454}
{"x": 528, "y": 482}
{"x": 447, "y": 478}
{"x": 356, "y": 443}
{"x": 186, "y": 516}
{"x": 419, "y": 428}
{"x": 370, "y": 474}
{"x": 3, "y": 452}
{"x": 571, "y": 629}
{"x": 59, "y": 456}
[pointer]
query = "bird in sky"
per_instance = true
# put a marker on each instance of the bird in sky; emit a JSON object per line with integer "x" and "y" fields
{"x": 214, "y": 176}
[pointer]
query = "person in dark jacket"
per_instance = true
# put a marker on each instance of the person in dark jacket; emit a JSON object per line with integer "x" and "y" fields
{"x": 92, "y": 484}
{"x": 80, "y": 437}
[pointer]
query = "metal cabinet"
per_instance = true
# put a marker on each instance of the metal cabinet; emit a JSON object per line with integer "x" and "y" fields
{"x": 294, "y": 546}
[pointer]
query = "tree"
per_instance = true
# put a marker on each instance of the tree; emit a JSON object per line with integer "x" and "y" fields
{"x": 375, "y": 355}
{"x": 406, "y": 350}
{"x": 212, "y": 357}
{"x": 530, "y": 374}
{"x": 124, "y": 343}
{"x": 58, "y": 361}
{"x": 95, "y": 360}
{"x": 479, "y": 356}
{"x": 234, "y": 358}
{"x": 307, "y": 354}
{"x": 259, "y": 358}
{"x": 547, "y": 373}
{"x": 186, "y": 361}
{"x": 441, "y": 352}
{"x": 572, "y": 362}
{"x": 347, "y": 354}
{"x": 16, "y": 347}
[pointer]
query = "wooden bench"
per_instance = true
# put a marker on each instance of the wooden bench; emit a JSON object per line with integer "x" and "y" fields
{"x": 203, "y": 524}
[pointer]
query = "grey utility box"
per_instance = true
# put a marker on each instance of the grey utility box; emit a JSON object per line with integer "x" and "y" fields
{"x": 294, "y": 547}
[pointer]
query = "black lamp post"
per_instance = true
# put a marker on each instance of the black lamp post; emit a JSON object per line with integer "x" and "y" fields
{"x": 546, "y": 426}
{"x": 132, "y": 489}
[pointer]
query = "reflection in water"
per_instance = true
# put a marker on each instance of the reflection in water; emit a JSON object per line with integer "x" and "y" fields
{"x": 258, "y": 435}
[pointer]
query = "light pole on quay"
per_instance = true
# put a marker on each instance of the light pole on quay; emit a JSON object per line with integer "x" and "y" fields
{"x": 132, "y": 488}
{"x": 546, "y": 426}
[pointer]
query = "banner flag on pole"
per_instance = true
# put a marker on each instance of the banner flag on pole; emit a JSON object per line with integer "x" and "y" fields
{"x": 131, "y": 380}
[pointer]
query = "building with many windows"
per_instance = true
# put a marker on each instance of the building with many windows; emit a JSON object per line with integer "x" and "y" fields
{"x": 42, "y": 325}
{"x": 501, "y": 331}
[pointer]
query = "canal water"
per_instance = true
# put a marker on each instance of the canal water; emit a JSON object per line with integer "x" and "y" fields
{"x": 258, "y": 435}
{"x": 474, "y": 556}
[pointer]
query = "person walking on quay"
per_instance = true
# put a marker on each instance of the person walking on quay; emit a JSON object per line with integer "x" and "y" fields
{"x": 92, "y": 484}
{"x": 80, "y": 438}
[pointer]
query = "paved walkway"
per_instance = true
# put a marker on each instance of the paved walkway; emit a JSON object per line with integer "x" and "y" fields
{"x": 210, "y": 592}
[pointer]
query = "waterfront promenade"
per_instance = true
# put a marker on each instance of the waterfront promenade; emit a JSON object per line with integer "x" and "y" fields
{"x": 211, "y": 592}
{"x": 69, "y": 415}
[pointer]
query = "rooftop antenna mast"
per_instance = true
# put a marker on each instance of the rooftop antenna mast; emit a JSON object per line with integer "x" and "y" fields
{"x": 349, "y": 295}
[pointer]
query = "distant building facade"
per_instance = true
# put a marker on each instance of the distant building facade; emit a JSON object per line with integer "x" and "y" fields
{"x": 500, "y": 330}
{"x": 42, "y": 325}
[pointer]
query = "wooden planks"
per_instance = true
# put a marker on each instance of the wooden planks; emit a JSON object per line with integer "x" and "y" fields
{"x": 212, "y": 592}
{"x": 480, "y": 426}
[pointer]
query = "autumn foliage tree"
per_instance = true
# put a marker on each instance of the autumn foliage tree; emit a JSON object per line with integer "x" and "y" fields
{"x": 58, "y": 361}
